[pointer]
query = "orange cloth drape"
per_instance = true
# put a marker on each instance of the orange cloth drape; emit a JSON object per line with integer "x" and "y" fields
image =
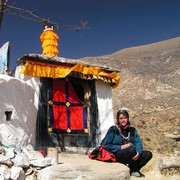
{"x": 40, "y": 69}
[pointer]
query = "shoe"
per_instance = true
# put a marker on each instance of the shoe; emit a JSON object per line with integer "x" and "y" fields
{"x": 137, "y": 174}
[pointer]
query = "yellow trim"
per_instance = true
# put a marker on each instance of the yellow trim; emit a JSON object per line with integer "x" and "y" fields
{"x": 50, "y": 102}
{"x": 39, "y": 69}
{"x": 68, "y": 104}
{"x": 68, "y": 130}
{"x": 49, "y": 130}
{"x": 86, "y": 130}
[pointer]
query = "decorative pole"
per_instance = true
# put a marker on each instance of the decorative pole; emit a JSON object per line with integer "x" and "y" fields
{"x": 49, "y": 40}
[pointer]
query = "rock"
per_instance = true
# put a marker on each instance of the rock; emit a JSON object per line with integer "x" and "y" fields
{"x": 172, "y": 161}
{"x": 44, "y": 162}
{"x": 31, "y": 176}
{"x": 93, "y": 171}
{"x": 17, "y": 173}
{"x": 78, "y": 166}
{"x": 4, "y": 172}
{"x": 2, "y": 151}
{"x": 9, "y": 153}
{"x": 31, "y": 153}
{"x": 167, "y": 166}
{"x": 21, "y": 160}
{"x": 157, "y": 166}
{"x": 173, "y": 136}
{"x": 60, "y": 171}
{"x": 4, "y": 160}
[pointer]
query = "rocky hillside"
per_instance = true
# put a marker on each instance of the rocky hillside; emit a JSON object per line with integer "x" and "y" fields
{"x": 149, "y": 88}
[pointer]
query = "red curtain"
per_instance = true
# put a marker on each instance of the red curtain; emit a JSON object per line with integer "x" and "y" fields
{"x": 68, "y": 113}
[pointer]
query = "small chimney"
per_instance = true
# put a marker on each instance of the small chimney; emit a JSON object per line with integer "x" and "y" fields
{"x": 49, "y": 40}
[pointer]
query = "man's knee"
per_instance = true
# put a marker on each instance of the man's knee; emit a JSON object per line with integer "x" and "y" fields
{"x": 148, "y": 155}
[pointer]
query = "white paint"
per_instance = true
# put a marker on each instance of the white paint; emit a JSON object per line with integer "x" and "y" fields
{"x": 34, "y": 82}
{"x": 105, "y": 107}
{"x": 17, "y": 96}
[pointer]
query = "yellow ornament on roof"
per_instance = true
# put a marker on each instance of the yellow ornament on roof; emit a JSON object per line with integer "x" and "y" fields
{"x": 49, "y": 40}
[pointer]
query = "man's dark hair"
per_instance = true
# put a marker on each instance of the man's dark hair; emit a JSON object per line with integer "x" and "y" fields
{"x": 124, "y": 112}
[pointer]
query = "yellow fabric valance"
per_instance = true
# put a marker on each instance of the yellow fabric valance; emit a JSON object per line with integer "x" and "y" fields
{"x": 40, "y": 69}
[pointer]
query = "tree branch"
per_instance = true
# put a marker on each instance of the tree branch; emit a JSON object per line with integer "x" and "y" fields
{"x": 30, "y": 15}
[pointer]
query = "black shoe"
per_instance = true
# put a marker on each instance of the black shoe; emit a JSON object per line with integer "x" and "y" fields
{"x": 137, "y": 174}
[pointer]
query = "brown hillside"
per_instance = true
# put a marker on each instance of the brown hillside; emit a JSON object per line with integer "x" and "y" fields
{"x": 149, "y": 88}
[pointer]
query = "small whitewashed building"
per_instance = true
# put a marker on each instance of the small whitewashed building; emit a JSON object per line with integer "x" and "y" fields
{"x": 73, "y": 100}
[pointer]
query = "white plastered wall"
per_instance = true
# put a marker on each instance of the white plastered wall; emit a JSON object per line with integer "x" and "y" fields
{"x": 18, "y": 97}
{"x": 105, "y": 107}
{"x": 34, "y": 82}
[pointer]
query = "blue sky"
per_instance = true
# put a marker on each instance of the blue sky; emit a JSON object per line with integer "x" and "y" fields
{"x": 114, "y": 25}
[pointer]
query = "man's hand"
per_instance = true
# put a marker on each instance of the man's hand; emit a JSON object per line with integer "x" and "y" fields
{"x": 136, "y": 156}
{"x": 126, "y": 145}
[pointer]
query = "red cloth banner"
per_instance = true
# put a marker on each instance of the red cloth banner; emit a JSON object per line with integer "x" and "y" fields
{"x": 68, "y": 112}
